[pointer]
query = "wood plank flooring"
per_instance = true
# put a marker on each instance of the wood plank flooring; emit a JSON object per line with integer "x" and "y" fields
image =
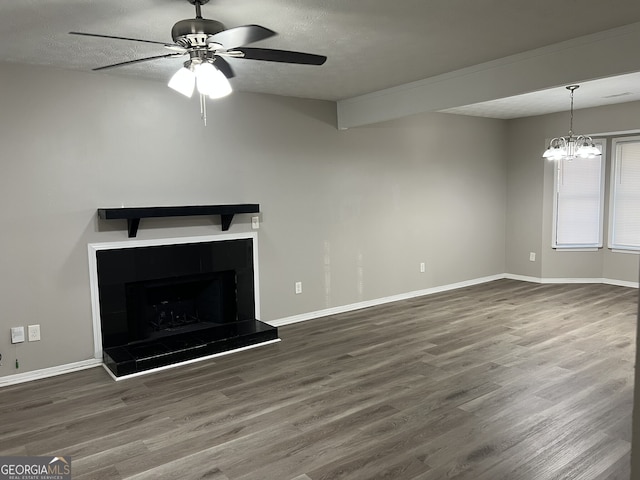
{"x": 505, "y": 380}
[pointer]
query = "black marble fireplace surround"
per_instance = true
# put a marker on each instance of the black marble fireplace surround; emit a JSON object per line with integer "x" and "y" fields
{"x": 165, "y": 304}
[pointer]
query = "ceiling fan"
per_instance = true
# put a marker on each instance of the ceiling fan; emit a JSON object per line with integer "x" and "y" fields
{"x": 208, "y": 43}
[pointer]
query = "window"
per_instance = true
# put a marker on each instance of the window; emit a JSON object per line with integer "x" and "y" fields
{"x": 624, "y": 223}
{"x": 579, "y": 202}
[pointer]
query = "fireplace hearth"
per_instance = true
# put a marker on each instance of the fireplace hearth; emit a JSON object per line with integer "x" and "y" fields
{"x": 164, "y": 304}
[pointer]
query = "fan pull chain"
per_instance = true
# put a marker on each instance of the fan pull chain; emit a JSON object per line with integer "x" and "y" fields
{"x": 203, "y": 109}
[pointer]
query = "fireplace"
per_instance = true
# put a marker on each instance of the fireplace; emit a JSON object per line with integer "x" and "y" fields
{"x": 167, "y": 306}
{"x": 167, "y": 303}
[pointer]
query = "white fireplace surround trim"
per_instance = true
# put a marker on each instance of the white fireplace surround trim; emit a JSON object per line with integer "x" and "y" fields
{"x": 93, "y": 249}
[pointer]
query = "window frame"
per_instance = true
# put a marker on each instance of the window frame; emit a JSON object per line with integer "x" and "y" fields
{"x": 602, "y": 144}
{"x": 615, "y": 162}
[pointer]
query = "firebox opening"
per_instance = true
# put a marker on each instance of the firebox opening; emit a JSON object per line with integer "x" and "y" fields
{"x": 162, "y": 307}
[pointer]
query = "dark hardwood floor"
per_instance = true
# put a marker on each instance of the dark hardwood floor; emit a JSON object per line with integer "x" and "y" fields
{"x": 505, "y": 380}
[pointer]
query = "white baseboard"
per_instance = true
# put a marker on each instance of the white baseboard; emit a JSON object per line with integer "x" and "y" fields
{"x": 379, "y": 301}
{"x": 443, "y": 288}
{"x": 621, "y": 283}
{"x": 48, "y": 372}
{"x": 606, "y": 281}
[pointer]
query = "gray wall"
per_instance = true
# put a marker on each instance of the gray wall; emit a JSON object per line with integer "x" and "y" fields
{"x": 530, "y": 197}
{"x": 351, "y": 214}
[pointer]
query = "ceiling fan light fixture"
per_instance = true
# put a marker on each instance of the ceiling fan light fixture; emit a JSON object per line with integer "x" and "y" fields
{"x": 221, "y": 87}
{"x": 206, "y": 41}
{"x": 211, "y": 82}
{"x": 183, "y": 81}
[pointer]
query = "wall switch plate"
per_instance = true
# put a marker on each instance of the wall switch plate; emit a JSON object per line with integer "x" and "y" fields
{"x": 17, "y": 334}
{"x": 532, "y": 256}
{"x": 34, "y": 333}
{"x": 422, "y": 267}
{"x": 255, "y": 223}
{"x": 298, "y": 288}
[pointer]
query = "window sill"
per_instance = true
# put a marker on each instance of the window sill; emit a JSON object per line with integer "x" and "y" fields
{"x": 624, "y": 250}
{"x": 576, "y": 249}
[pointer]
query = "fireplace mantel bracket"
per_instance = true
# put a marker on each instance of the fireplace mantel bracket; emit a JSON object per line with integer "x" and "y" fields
{"x": 133, "y": 215}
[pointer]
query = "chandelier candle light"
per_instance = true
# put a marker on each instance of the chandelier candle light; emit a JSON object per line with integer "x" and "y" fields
{"x": 572, "y": 146}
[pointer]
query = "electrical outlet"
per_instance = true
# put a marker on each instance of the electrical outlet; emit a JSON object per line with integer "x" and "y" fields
{"x": 255, "y": 223}
{"x": 298, "y": 288}
{"x": 532, "y": 256}
{"x": 422, "y": 267}
{"x": 34, "y": 333}
{"x": 17, "y": 334}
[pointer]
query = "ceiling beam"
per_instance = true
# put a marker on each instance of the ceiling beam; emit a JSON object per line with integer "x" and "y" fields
{"x": 599, "y": 55}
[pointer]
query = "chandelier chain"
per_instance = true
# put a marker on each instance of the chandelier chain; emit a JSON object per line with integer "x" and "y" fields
{"x": 571, "y": 120}
{"x": 572, "y": 88}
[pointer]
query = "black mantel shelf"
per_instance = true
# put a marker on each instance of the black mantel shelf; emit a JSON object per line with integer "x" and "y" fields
{"x": 134, "y": 214}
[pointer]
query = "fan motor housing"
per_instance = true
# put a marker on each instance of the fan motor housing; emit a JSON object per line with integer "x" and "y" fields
{"x": 196, "y": 26}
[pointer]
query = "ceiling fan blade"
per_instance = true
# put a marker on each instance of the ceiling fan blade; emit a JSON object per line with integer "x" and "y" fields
{"x": 146, "y": 59}
{"x": 238, "y": 36}
{"x": 119, "y": 38}
{"x": 222, "y": 65}
{"x": 283, "y": 56}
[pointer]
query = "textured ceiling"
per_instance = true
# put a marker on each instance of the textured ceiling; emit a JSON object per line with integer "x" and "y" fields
{"x": 370, "y": 45}
{"x": 595, "y": 93}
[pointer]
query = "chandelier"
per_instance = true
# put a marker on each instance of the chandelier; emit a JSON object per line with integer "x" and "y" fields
{"x": 572, "y": 146}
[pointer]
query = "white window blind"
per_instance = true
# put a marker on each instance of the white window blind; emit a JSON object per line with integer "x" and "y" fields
{"x": 624, "y": 231}
{"x": 579, "y": 202}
